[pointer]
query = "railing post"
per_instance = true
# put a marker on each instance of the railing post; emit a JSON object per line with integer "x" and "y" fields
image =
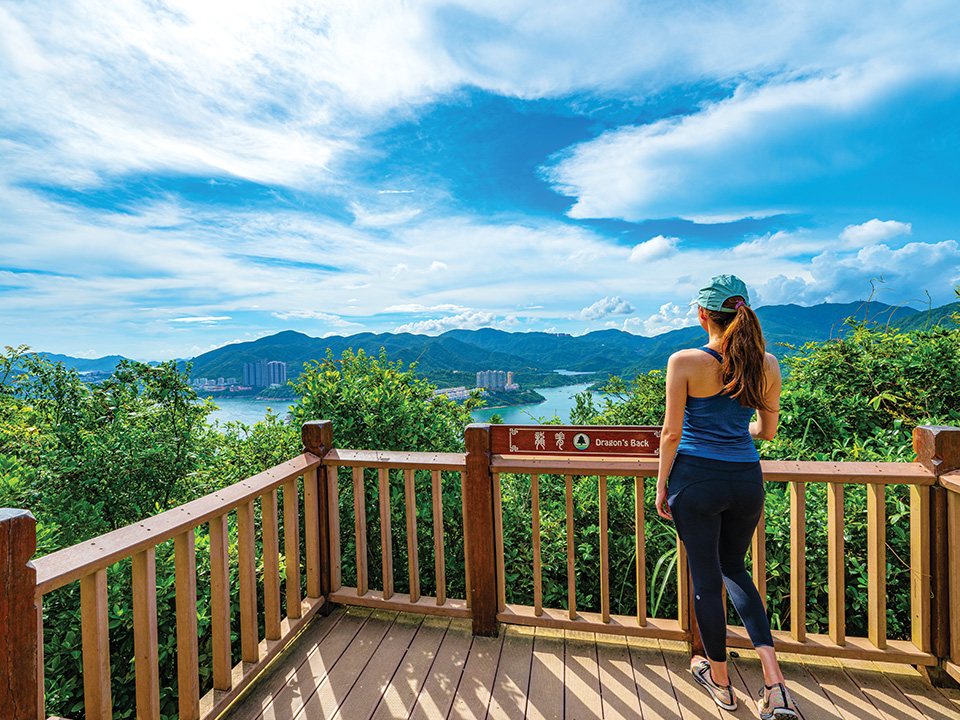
{"x": 480, "y": 541}
{"x": 938, "y": 449}
{"x": 317, "y": 438}
{"x": 19, "y": 692}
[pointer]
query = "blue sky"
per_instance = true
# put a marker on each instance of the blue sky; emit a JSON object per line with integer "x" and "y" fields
{"x": 175, "y": 176}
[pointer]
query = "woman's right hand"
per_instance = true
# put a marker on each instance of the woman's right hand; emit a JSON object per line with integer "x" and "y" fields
{"x": 663, "y": 509}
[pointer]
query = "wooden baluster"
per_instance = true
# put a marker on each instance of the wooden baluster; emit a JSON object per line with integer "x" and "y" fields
{"x": 220, "y": 601}
{"x": 953, "y": 523}
{"x": 498, "y": 535}
{"x": 439, "y": 560}
{"x": 684, "y": 605}
{"x": 146, "y": 656}
{"x": 639, "y": 524}
{"x": 758, "y": 556}
{"x": 920, "y": 566}
{"x": 333, "y": 493}
{"x": 535, "y": 531}
{"x": 311, "y": 531}
{"x": 386, "y": 533}
{"x": 41, "y": 699}
{"x": 360, "y": 529}
{"x": 271, "y": 565}
{"x": 249, "y": 633}
{"x": 413, "y": 554}
{"x": 604, "y": 554}
{"x": 836, "y": 579}
{"x": 798, "y": 561}
{"x": 291, "y": 546}
{"x": 876, "y": 566}
{"x": 21, "y": 621}
{"x": 188, "y": 663}
{"x": 571, "y": 553}
{"x": 97, "y": 698}
{"x": 466, "y": 554}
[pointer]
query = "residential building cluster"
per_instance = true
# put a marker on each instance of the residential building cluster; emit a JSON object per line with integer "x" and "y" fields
{"x": 454, "y": 393}
{"x": 496, "y": 380}
{"x": 216, "y": 384}
{"x": 265, "y": 373}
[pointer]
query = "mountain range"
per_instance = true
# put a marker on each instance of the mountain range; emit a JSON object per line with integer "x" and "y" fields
{"x": 454, "y": 357}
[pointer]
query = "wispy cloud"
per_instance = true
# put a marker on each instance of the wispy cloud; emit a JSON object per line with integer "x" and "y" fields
{"x": 470, "y": 320}
{"x": 604, "y": 307}
{"x": 208, "y": 320}
{"x": 874, "y": 231}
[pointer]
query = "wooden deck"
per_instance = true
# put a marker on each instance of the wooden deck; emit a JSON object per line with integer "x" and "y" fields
{"x": 358, "y": 664}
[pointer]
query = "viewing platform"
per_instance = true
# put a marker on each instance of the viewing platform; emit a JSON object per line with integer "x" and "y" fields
{"x": 303, "y": 644}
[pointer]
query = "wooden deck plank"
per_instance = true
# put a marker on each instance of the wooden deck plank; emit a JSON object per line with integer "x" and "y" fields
{"x": 437, "y": 692}
{"x": 582, "y": 679}
{"x": 618, "y": 687}
{"x": 475, "y": 690}
{"x": 693, "y": 700}
{"x": 812, "y": 701}
{"x": 545, "y": 701}
{"x": 258, "y": 697}
{"x": 883, "y": 694}
{"x": 404, "y": 687}
{"x": 369, "y": 688}
{"x": 927, "y": 699}
{"x": 849, "y": 700}
{"x": 313, "y": 673}
{"x": 509, "y": 701}
{"x": 657, "y": 699}
{"x": 340, "y": 679}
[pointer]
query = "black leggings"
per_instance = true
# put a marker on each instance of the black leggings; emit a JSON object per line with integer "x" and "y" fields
{"x": 716, "y": 506}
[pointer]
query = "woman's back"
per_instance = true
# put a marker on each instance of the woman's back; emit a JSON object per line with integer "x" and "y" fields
{"x": 715, "y": 425}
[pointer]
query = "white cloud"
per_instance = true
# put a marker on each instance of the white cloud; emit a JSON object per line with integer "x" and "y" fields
{"x": 722, "y": 160}
{"x": 367, "y": 218}
{"x": 418, "y": 308}
{"x": 436, "y": 266}
{"x": 874, "y": 231}
{"x": 654, "y": 249}
{"x": 604, "y": 307}
{"x": 330, "y": 319}
{"x": 671, "y": 316}
{"x": 835, "y": 276}
{"x": 470, "y": 320}
{"x": 208, "y": 320}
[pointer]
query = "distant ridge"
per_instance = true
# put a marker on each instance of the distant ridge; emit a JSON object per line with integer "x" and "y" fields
{"x": 455, "y": 356}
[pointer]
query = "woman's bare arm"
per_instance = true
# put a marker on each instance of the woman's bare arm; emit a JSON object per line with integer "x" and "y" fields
{"x": 677, "y": 371}
{"x": 765, "y": 426}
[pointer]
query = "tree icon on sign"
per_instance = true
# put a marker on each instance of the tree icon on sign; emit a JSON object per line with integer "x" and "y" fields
{"x": 581, "y": 441}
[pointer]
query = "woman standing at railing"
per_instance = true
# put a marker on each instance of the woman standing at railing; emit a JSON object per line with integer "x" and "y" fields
{"x": 710, "y": 483}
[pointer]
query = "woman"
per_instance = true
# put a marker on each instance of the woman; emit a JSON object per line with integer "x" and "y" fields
{"x": 710, "y": 484}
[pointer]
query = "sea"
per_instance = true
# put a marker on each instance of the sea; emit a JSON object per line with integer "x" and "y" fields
{"x": 558, "y": 403}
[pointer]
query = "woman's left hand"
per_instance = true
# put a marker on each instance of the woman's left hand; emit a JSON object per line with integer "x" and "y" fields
{"x": 663, "y": 509}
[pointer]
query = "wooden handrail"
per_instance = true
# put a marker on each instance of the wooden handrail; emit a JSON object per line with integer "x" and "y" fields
{"x": 70, "y": 564}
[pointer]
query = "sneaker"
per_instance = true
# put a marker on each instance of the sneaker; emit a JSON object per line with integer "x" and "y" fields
{"x": 722, "y": 694}
{"x": 775, "y": 703}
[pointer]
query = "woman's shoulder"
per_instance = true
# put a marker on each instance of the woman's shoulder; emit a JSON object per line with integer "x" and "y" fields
{"x": 688, "y": 355}
{"x": 691, "y": 359}
{"x": 772, "y": 364}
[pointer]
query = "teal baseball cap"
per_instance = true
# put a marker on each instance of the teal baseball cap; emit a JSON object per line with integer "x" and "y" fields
{"x": 718, "y": 290}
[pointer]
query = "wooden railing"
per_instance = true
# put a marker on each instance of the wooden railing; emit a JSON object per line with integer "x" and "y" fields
{"x": 336, "y": 479}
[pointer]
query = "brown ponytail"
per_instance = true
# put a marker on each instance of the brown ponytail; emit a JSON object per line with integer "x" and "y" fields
{"x": 743, "y": 370}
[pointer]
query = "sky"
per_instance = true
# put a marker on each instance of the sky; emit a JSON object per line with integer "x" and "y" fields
{"x": 176, "y": 175}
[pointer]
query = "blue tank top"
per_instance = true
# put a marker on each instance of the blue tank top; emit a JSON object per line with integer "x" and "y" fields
{"x": 717, "y": 427}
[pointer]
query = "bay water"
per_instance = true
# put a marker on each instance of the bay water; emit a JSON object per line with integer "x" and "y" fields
{"x": 559, "y": 402}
